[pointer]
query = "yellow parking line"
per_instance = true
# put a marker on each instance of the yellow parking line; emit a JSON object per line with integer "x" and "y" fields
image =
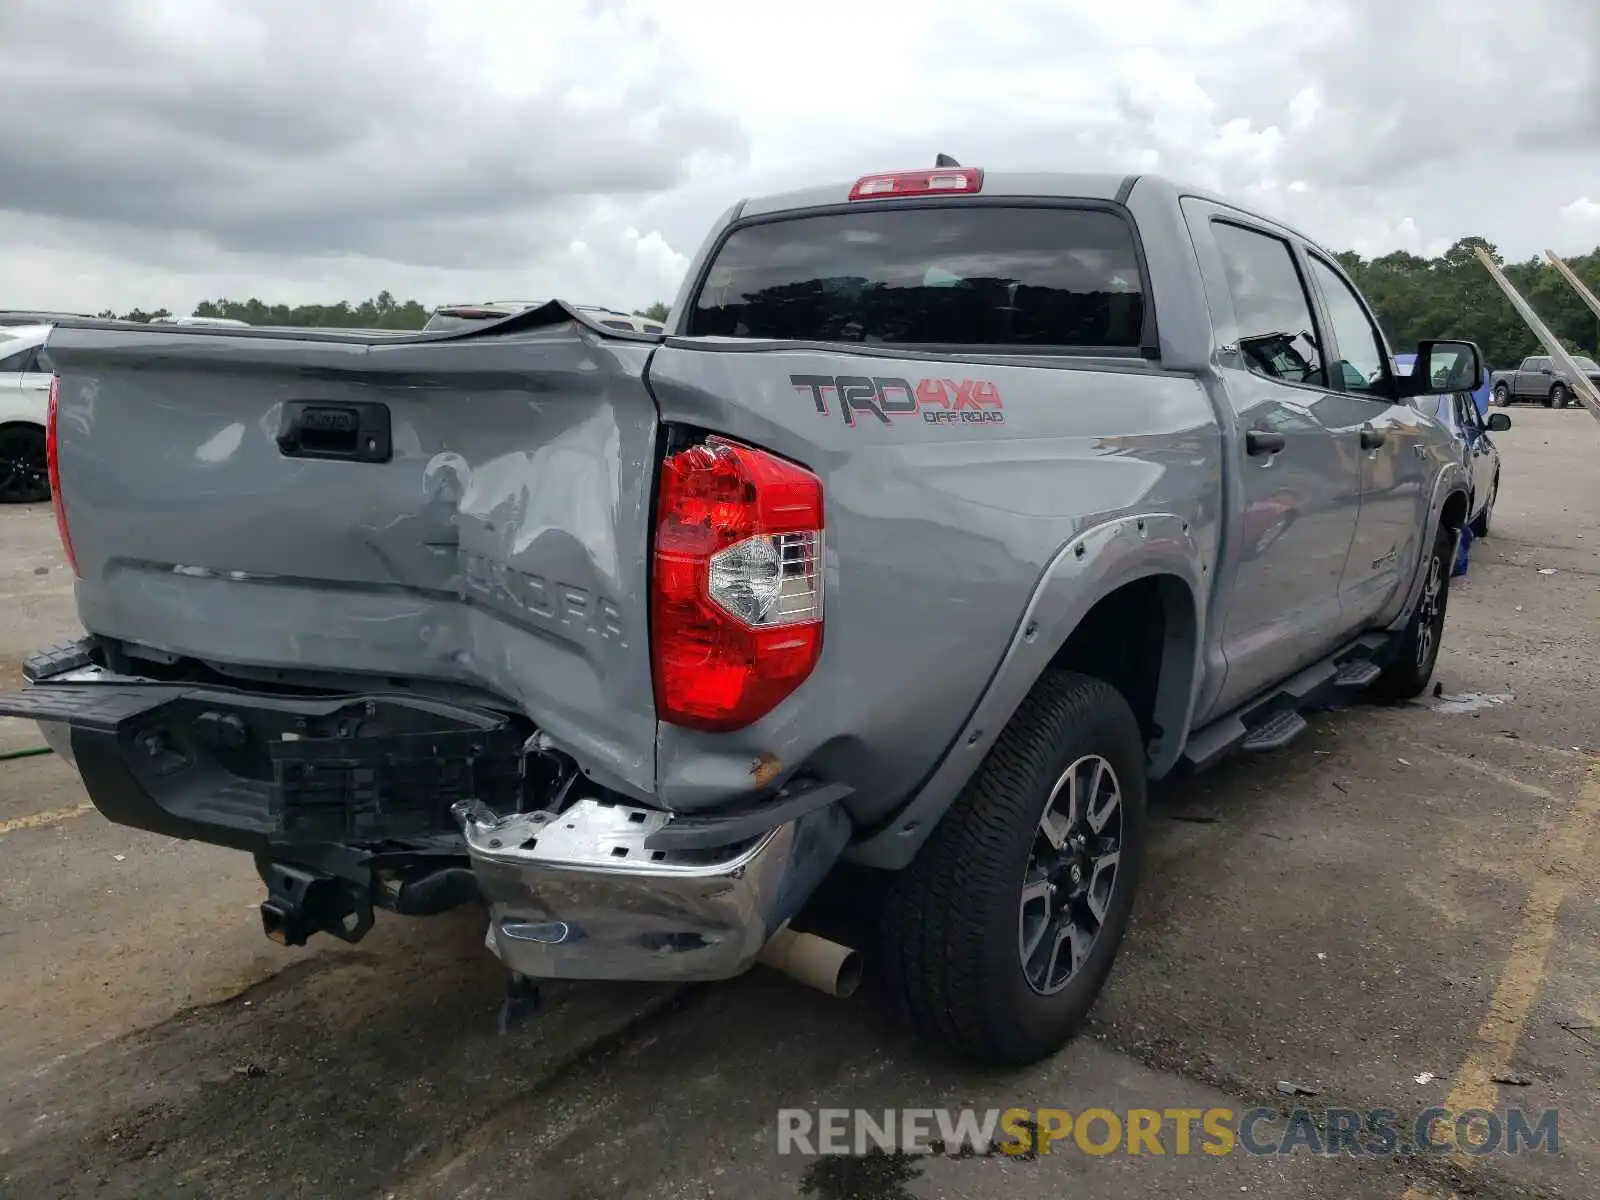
{"x": 1521, "y": 981}
{"x": 1522, "y": 977}
{"x": 50, "y": 817}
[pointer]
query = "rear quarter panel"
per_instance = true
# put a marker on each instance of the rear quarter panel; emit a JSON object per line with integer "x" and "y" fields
{"x": 939, "y": 533}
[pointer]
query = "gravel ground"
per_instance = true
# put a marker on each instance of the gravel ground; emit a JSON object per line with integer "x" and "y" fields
{"x": 1395, "y": 912}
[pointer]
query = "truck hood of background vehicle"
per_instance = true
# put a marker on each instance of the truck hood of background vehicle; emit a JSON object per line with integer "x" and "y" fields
{"x": 499, "y": 547}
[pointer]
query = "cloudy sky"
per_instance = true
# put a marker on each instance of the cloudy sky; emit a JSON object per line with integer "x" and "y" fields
{"x": 159, "y": 152}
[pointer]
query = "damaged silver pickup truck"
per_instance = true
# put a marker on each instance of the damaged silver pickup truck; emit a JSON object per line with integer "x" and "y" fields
{"x": 951, "y": 508}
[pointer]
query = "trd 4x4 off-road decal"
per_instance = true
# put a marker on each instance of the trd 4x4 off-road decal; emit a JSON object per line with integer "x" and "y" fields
{"x": 940, "y": 401}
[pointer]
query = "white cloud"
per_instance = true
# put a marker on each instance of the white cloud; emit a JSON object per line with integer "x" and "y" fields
{"x": 304, "y": 151}
{"x": 1582, "y": 218}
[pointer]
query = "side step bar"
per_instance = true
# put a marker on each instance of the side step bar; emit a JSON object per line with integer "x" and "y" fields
{"x": 1276, "y": 732}
{"x": 1273, "y": 721}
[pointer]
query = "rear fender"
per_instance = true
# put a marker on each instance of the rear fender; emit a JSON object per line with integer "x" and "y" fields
{"x": 1082, "y": 573}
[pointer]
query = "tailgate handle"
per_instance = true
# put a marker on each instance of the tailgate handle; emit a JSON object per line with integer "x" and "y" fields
{"x": 356, "y": 432}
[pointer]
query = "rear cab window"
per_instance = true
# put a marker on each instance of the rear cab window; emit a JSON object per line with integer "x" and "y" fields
{"x": 951, "y": 273}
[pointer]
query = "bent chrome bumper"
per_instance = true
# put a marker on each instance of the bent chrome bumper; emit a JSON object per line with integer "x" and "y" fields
{"x": 581, "y": 895}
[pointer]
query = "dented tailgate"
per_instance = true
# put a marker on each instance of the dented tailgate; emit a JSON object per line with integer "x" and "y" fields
{"x": 470, "y": 511}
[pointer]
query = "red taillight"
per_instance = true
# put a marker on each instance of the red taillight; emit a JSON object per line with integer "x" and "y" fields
{"x": 736, "y": 598}
{"x": 956, "y": 180}
{"x": 52, "y": 458}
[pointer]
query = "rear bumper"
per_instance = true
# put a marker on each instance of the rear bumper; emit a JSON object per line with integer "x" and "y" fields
{"x": 334, "y": 794}
{"x": 268, "y": 773}
{"x": 584, "y": 896}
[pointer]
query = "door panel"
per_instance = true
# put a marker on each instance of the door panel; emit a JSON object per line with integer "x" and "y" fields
{"x": 1291, "y": 526}
{"x": 1393, "y": 441}
{"x": 1480, "y": 455}
{"x": 1535, "y": 380}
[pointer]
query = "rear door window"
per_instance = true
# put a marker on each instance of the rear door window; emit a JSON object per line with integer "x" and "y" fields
{"x": 951, "y": 274}
{"x": 1277, "y": 335}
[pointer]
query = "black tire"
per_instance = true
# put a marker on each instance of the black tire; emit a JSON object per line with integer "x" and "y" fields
{"x": 1502, "y": 395}
{"x": 1481, "y": 522}
{"x": 24, "y": 477}
{"x": 1560, "y": 397}
{"x": 1417, "y": 648}
{"x": 955, "y": 921}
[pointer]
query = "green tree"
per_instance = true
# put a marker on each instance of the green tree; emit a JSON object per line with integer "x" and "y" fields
{"x": 1452, "y": 296}
{"x": 383, "y": 311}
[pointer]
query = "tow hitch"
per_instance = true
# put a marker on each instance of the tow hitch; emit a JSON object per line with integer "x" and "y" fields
{"x": 300, "y": 903}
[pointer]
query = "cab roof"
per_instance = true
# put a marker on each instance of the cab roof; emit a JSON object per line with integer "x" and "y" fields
{"x": 1054, "y": 185}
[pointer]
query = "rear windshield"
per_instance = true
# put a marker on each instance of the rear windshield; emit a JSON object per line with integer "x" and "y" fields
{"x": 951, "y": 274}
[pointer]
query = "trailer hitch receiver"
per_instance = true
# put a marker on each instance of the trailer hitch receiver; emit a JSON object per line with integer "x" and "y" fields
{"x": 300, "y": 903}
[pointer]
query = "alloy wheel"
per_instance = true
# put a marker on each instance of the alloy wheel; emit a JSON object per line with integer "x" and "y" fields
{"x": 24, "y": 475}
{"x": 1071, "y": 871}
{"x": 1432, "y": 611}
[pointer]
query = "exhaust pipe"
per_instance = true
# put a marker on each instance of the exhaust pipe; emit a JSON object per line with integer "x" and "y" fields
{"x": 813, "y": 961}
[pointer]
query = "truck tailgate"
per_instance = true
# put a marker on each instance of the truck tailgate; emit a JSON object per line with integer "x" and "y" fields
{"x": 467, "y": 511}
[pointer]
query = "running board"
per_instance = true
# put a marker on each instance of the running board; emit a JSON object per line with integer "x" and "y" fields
{"x": 1272, "y": 721}
{"x": 1358, "y": 673}
{"x": 1276, "y": 732}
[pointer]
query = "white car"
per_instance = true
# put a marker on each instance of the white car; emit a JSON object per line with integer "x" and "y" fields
{"x": 24, "y": 408}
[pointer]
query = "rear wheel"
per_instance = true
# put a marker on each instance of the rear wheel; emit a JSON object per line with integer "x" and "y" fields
{"x": 1418, "y": 647}
{"x": 1558, "y": 396}
{"x": 24, "y": 475}
{"x": 999, "y": 936}
{"x": 1502, "y": 395}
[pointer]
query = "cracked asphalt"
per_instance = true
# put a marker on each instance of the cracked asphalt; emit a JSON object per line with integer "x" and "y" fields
{"x": 1396, "y": 912}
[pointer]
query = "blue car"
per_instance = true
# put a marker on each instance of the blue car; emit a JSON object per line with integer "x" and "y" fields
{"x": 1467, "y": 415}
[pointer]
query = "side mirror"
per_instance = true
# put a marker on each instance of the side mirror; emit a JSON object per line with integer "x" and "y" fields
{"x": 1498, "y": 423}
{"x": 1442, "y": 368}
